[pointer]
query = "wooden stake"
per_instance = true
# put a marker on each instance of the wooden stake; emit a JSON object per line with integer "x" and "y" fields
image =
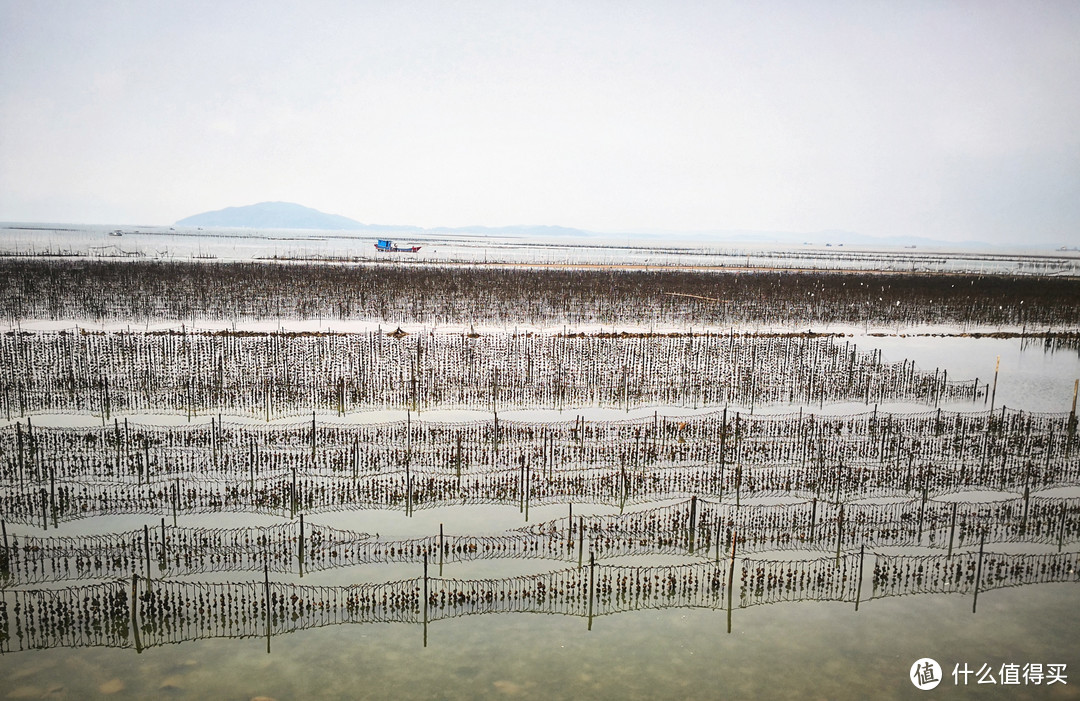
{"x": 952, "y": 530}
{"x": 922, "y": 506}
{"x": 458, "y": 458}
{"x": 22, "y": 459}
{"x": 839, "y": 533}
{"x": 570, "y": 529}
{"x": 693, "y": 525}
{"x": 146, "y": 459}
{"x": 425, "y": 598}
{"x": 1061, "y": 528}
{"x": 1072, "y": 418}
{"x": 135, "y": 612}
{"x": 978, "y": 571}
{"x": 723, "y": 451}
{"x": 993, "y": 393}
{"x": 6, "y": 562}
{"x": 266, "y": 589}
{"x": 300, "y": 547}
{"x": 731, "y": 579}
{"x": 146, "y": 549}
{"x": 292, "y": 493}
{"x": 581, "y": 540}
{"x": 527, "y": 487}
{"x": 858, "y": 591}
{"x": 1024, "y": 517}
{"x": 52, "y": 495}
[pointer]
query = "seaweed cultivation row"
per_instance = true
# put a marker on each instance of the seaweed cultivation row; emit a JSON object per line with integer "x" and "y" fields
{"x": 278, "y": 374}
{"x": 143, "y": 614}
{"x": 695, "y": 527}
{"x": 919, "y": 449}
{"x": 42, "y": 505}
{"x": 435, "y": 295}
{"x": 58, "y": 474}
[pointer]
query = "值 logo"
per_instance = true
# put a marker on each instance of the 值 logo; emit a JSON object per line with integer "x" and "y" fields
{"x": 925, "y": 674}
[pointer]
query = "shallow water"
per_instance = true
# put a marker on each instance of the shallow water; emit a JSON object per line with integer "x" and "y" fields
{"x": 800, "y": 649}
{"x": 783, "y": 651}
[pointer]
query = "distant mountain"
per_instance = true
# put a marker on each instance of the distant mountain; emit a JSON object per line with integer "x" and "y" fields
{"x": 286, "y": 215}
{"x": 272, "y": 215}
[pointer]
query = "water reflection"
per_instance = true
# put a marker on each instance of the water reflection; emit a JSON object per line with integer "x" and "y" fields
{"x": 149, "y": 613}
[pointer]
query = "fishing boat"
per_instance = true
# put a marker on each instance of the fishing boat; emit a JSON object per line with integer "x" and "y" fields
{"x": 388, "y": 246}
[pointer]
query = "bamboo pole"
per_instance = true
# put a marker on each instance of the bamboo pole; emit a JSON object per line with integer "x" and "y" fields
{"x": 731, "y": 579}
{"x": 952, "y": 530}
{"x": 300, "y": 547}
{"x": 978, "y": 571}
{"x": 570, "y": 530}
{"x": 269, "y": 607}
{"x": 1072, "y": 419}
{"x": 839, "y": 533}
{"x": 993, "y": 393}
{"x": 858, "y": 590}
{"x": 693, "y": 525}
{"x": 146, "y": 550}
{"x": 425, "y": 603}
{"x": 135, "y": 612}
{"x": 1024, "y": 517}
{"x": 292, "y": 494}
{"x": 581, "y": 541}
{"x": 723, "y": 451}
{"x": 1061, "y": 528}
{"x": 52, "y": 495}
{"x": 6, "y": 562}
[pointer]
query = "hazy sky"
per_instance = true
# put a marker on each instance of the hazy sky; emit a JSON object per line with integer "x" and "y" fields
{"x": 951, "y": 120}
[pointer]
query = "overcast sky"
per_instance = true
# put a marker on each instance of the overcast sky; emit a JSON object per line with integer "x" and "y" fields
{"x": 950, "y": 120}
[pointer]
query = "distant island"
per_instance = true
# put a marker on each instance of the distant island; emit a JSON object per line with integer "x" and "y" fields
{"x": 288, "y": 215}
{"x": 272, "y": 215}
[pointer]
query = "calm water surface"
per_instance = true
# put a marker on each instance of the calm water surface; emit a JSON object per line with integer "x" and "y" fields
{"x": 786, "y": 650}
{"x": 790, "y": 650}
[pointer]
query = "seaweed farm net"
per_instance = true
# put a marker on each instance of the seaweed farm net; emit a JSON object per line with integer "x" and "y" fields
{"x": 139, "y": 613}
{"x": 281, "y": 374}
{"x": 434, "y": 295}
{"x": 696, "y": 527}
{"x": 58, "y": 474}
